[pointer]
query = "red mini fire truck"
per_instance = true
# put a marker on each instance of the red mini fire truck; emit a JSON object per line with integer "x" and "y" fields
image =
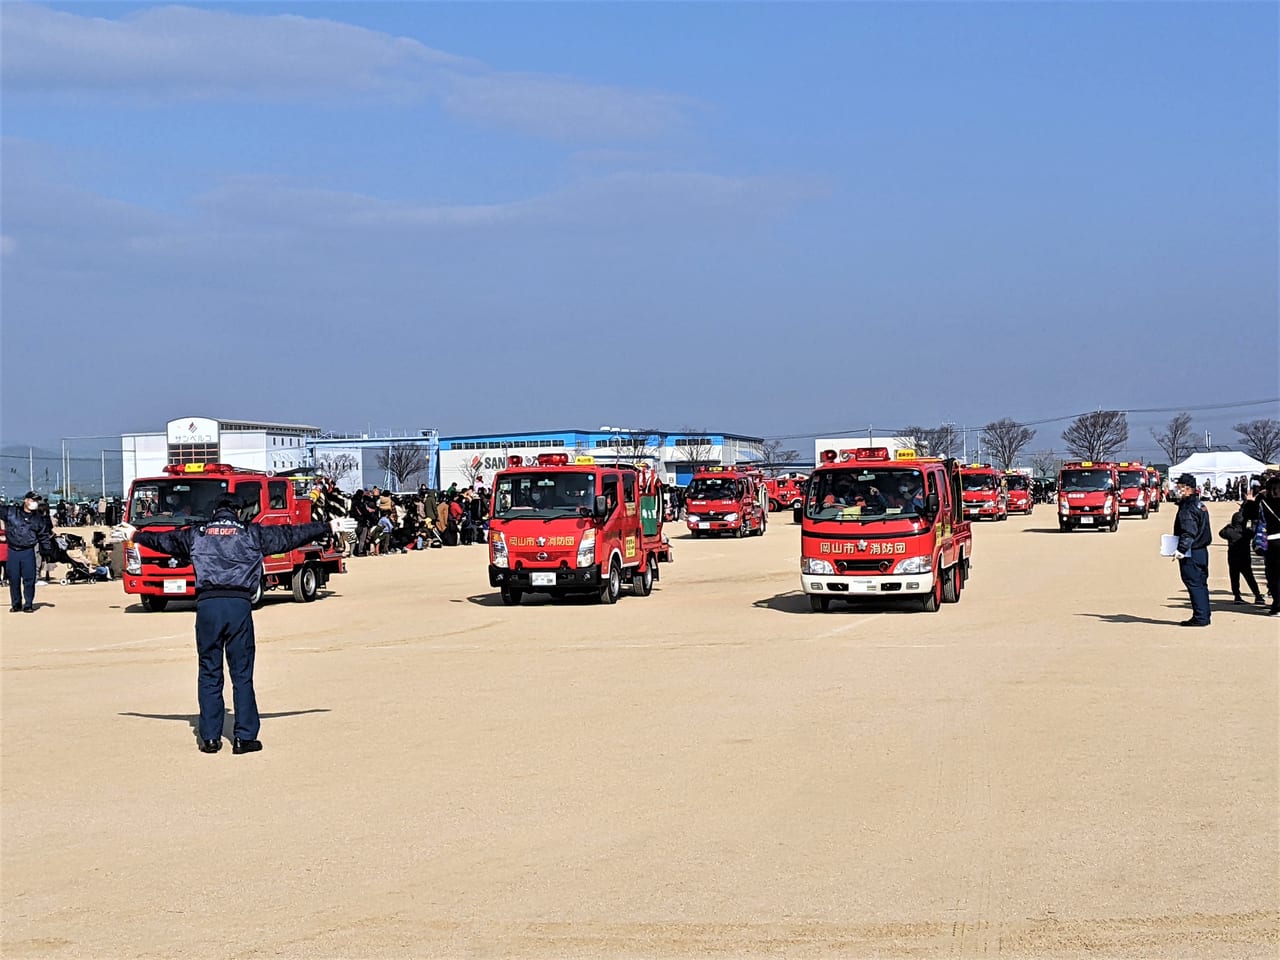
{"x": 723, "y": 500}
{"x": 1134, "y": 489}
{"x": 785, "y": 492}
{"x": 1018, "y": 487}
{"x": 561, "y": 527}
{"x": 1155, "y": 489}
{"x": 881, "y": 528}
{"x": 186, "y": 495}
{"x": 1087, "y": 496}
{"x": 984, "y": 492}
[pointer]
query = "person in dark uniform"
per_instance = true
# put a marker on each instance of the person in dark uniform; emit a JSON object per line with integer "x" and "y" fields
{"x": 1191, "y": 527}
{"x": 26, "y": 527}
{"x": 227, "y": 556}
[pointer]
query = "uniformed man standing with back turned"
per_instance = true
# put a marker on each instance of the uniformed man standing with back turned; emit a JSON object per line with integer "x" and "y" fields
{"x": 227, "y": 556}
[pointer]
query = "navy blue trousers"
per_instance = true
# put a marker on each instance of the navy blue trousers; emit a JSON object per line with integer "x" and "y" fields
{"x": 21, "y": 568}
{"x": 226, "y": 624}
{"x": 1195, "y": 576}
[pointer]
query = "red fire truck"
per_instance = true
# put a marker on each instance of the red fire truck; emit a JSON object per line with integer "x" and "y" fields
{"x": 1087, "y": 496}
{"x": 1134, "y": 489}
{"x": 186, "y": 494}
{"x": 984, "y": 492}
{"x": 1155, "y": 489}
{"x": 881, "y": 528}
{"x": 785, "y": 492}
{"x": 1018, "y": 487}
{"x": 723, "y": 500}
{"x": 561, "y": 527}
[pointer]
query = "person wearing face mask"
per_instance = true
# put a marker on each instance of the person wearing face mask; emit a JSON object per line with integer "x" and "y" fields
{"x": 26, "y": 527}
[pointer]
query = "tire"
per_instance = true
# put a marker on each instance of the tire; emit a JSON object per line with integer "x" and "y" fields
{"x": 1146, "y": 512}
{"x": 1115, "y": 523}
{"x": 511, "y": 597}
{"x": 612, "y": 586}
{"x": 819, "y": 604}
{"x": 774, "y": 506}
{"x": 741, "y": 531}
{"x": 696, "y": 533}
{"x": 1064, "y": 526}
{"x": 931, "y": 602}
{"x": 306, "y": 583}
{"x": 642, "y": 582}
{"x": 154, "y": 604}
{"x": 951, "y": 584}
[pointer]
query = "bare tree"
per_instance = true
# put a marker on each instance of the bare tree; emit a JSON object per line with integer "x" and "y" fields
{"x": 1097, "y": 436}
{"x": 1044, "y": 462}
{"x": 773, "y": 457}
{"x": 336, "y": 466}
{"x": 1006, "y": 440}
{"x": 636, "y": 445}
{"x": 935, "y": 441}
{"x": 1261, "y": 438}
{"x": 472, "y": 471}
{"x": 403, "y": 460}
{"x": 1175, "y": 440}
{"x": 694, "y": 445}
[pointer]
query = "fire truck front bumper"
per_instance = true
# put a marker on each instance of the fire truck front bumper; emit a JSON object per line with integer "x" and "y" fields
{"x": 888, "y": 585}
{"x": 553, "y": 578}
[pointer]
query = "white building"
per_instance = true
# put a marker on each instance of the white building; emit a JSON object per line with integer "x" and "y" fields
{"x": 255, "y": 446}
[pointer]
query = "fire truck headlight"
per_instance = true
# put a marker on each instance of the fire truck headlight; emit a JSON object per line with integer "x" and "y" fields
{"x": 989, "y": 503}
{"x": 692, "y": 517}
{"x": 587, "y": 549}
{"x": 498, "y": 545}
{"x": 1106, "y": 504}
{"x": 1064, "y": 506}
{"x": 914, "y": 565}
{"x": 813, "y": 565}
{"x": 132, "y": 560}
{"x": 730, "y": 518}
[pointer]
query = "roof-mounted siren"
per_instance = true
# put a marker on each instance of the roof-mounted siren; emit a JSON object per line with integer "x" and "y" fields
{"x": 865, "y": 453}
{"x": 515, "y": 460}
{"x": 828, "y": 456}
{"x": 553, "y": 459}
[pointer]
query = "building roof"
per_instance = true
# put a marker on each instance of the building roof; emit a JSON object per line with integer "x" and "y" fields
{"x": 597, "y": 433}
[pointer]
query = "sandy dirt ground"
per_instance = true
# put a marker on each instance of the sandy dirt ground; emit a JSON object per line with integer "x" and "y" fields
{"x": 1050, "y": 768}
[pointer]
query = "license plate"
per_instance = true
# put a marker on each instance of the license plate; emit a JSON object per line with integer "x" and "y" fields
{"x": 175, "y": 586}
{"x": 704, "y": 526}
{"x": 1086, "y": 519}
{"x": 542, "y": 579}
{"x": 974, "y": 511}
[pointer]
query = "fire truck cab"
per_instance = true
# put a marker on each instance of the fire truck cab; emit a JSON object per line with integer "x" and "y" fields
{"x": 1155, "y": 489}
{"x": 785, "y": 492}
{"x": 1134, "y": 489}
{"x": 186, "y": 494}
{"x": 561, "y": 527}
{"x": 984, "y": 492}
{"x": 723, "y": 500}
{"x": 1018, "y": 488}
{"x": 1088, "y": 496}
{"x": 881, "y": 529}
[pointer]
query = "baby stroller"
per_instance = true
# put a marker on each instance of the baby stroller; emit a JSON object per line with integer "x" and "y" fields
{"x": 77, "y": 570}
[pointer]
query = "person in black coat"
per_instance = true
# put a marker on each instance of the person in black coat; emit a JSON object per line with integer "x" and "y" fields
{"x": 1269, "y": 513}
{"x": 1239, "y": 536}
{"x": 1191, "y": 527}
{"x": 26, "y": 527}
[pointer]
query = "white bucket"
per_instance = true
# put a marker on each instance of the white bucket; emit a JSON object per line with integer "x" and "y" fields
{"x": 1168, "y": 544}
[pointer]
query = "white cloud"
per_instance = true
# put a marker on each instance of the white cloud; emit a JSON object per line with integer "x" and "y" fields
{"x": 162, "y": 54}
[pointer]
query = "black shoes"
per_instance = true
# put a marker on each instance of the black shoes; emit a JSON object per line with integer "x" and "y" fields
{"x": 1194, "y": 623}
{"x": 210, "y": 746}
{"x": 245, "y": 746}
{"x": 1259, "y": 601}
{"x": 15, "y": 608}
{"x": 28, "y": 609}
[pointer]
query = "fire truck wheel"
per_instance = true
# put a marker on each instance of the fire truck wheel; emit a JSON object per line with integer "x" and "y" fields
{"x": 819, "y": 604}
{"x": 305, "y": 583}
{"x": 510, "y": 597}
{"x": 612, "y": 585}
{"x": 930, "y": 604}
{"x": 951, "y": 584}
{"x": 154, "y": 604}
{"x": 643, "y": 582}
{"x": 774, "y": 506}
{"x": 741, "y": 531}
{"x": 1064, "y": 526}
{"x": 695, "y": 533}
{"x": 1145, "y": 513}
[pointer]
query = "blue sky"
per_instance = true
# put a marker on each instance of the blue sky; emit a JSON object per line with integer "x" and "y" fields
{"x": 774, "y": 219}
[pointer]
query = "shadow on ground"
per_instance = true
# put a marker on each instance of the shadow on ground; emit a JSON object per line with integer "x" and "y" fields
{"x": 228, "y": 722}
{"x": 795, "y": 601}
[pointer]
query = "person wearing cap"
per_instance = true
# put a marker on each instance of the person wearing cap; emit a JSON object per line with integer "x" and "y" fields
{"x": 227, "y": 556}
{"x": 26, "y": 527}
{"x": 1192, "y": 528}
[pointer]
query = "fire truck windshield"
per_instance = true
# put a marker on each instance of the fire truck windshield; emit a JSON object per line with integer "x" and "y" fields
{"x": 883, "y": 493}
{"x": 1017, "y": 482}
{"x": 978, "y": 481}
{"x": 1133, "y": 478}
{"x": 714, "y": 488}
{"x": 1085, "y": 481}
{"x": 174, "y": 502}
{"x": 543, "y": 495}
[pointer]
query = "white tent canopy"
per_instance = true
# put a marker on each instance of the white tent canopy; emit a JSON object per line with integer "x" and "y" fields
{"x": 1217, "y": 468}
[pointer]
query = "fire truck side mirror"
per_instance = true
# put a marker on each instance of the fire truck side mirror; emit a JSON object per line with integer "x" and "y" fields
{"x": 931, "y": 506}
{"x": 601, "y": 508}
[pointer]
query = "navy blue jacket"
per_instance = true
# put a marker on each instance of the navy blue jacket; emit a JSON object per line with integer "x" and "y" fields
{"x": 227, "y": 554}
{"x": 24, "y": 530}
{"x": 1191, "y": 525}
